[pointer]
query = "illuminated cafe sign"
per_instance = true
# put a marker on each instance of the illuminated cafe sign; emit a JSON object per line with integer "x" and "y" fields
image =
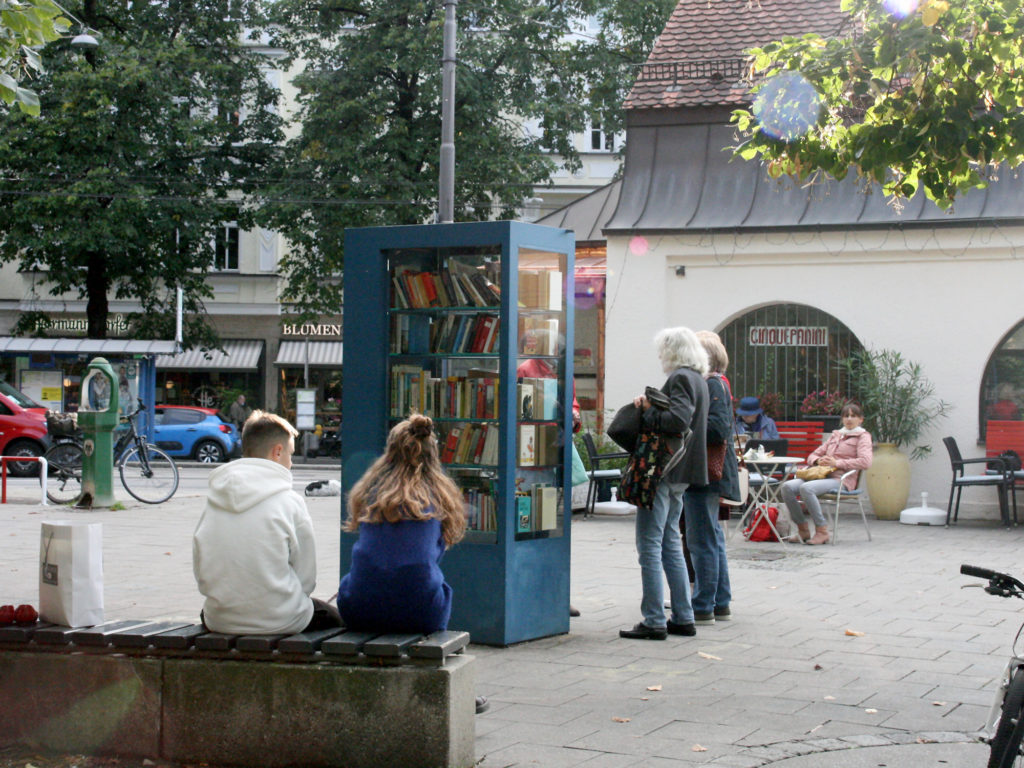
{"x": 311, "y": 329}
{"x": 787, "y": 336}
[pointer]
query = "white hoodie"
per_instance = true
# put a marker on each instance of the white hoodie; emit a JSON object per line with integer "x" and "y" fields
{"x": 253, "y": 552}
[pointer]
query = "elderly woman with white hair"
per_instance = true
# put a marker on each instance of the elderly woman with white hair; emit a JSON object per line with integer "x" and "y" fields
{"x": 658, "y": 541}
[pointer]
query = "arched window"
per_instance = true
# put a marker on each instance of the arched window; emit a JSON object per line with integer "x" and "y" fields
{"x": 782, "y": 353}
{"x": 1002, "y": 386}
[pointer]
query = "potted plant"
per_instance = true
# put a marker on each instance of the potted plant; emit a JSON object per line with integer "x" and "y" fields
{"x": 899, "y": 404}
{"x": 824, "y": 406}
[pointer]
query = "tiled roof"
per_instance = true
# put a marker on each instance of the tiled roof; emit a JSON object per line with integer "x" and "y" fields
{"x": 698, "y": 59}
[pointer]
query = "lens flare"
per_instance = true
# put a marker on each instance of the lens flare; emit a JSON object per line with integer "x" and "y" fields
{"x": 638, "y": 246}
{"x": 787, "y": 106}
{"x": 901, "y": 8}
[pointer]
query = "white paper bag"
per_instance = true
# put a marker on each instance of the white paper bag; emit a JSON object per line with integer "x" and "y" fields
{"x": 71, "y": 573}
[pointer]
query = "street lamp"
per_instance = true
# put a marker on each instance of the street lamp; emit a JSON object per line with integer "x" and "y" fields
{"x": 85, "y": 41}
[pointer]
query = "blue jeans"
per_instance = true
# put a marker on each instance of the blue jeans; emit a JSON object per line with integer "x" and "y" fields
{"x": 660, "y": 551}
{"x": 706, "y": 541}
{"x": 809, "y": 491}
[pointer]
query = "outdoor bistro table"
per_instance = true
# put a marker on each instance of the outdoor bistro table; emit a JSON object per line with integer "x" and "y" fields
{"x": 768, "y": 492}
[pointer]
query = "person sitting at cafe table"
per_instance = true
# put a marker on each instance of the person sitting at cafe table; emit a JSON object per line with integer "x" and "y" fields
{"x": 752, "y": 421}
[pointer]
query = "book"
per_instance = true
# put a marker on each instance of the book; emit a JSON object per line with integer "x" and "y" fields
{"x": 527, "y": 445}
{"x": 524, "y": 401}
{"x": 450, "y": 444}
{"x": 524, "y": 513}
{"x": 545, "y": 507}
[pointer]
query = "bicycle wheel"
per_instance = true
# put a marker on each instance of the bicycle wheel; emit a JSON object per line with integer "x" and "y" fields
{"x": 150, "y": 476}
{"x": 64, "y": 473}
{"x": 1006, "y": 743}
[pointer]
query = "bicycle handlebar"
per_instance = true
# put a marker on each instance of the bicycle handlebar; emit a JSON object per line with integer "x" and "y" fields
{"x": 981, "y": 573}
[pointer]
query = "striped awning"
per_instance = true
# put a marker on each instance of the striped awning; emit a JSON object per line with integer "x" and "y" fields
{"x": 111, "y": 347}
{"x": 322, "y": 354}
{"x": 238, "y": 355}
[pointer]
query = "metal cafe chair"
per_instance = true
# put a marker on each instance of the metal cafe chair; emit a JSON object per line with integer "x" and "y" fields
{"x": 1002, "y": 480}
{"x": 840, "y": 495}
{"x": 596, "y": 473}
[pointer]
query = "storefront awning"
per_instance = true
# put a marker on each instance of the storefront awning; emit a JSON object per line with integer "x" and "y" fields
{"x": 109, "y": 347}
{"x": 322, "y": 354}
{"x": 238, "y": 355}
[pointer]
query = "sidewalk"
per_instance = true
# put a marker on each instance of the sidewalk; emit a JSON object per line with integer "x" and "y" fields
{"x": 781, "y": 684}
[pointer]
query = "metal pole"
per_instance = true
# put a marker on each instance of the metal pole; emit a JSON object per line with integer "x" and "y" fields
{"x": 446, "y": 186}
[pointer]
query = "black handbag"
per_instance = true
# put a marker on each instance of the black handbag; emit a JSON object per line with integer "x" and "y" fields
{"x": 625, "y": 427}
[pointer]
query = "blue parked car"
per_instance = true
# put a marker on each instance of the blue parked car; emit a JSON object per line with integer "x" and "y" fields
{"x": 185, "y": 431}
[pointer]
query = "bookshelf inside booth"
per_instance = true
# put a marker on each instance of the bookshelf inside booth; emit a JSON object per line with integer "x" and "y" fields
{"x": 471, "y": 324}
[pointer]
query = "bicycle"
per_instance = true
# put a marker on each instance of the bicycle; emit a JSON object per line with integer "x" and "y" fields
{"x": 147, "y": 473}
{"x": 1004, "y": 727}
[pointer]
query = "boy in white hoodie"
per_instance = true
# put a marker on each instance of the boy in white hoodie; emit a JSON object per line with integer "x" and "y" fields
{"x": 253, "y": 552}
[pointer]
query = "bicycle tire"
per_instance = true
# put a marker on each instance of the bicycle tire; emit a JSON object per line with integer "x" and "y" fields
{"x": 64, "y": 473}
{"x": 151, "y": 478}
{"x": 1005, "y": 747}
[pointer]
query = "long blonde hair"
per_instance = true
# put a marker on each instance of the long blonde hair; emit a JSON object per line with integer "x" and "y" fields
{"x": 408, "y": 483}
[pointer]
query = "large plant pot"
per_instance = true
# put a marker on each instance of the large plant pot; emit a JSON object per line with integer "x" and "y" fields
{"x": 888, "y": 481}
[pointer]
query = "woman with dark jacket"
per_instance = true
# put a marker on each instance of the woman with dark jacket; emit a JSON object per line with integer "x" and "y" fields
{"x": 705, "y": 538}
{"x": 658, "y": 541}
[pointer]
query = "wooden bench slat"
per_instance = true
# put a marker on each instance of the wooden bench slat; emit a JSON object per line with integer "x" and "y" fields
{"x": 347, "y": 643}
{"x": 258, "y": 643}
{"x": 439, "y": 645}
{"x": 55, "y": 634}
{"x": 141, "y": 637}
{"x": 389, "y": 646}
{"x": 179, "y": 639}
{"x": 215, "y": 641}
{"x": 307, "y": 642}
{"x": 21, "y": 633}
{"x": 101, "y": 634}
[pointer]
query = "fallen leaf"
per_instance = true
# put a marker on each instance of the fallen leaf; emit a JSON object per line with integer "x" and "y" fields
{"x": 708, "y": 656}
{"x": 698, "y": 748}
{"x": 645, "y": 698}
{"x": 938, "y": 703}
{"x": 818, "y": 667}
{"x": 653, "y": 687}
{"x": 871, "y": 711}
{"x": 925, "y": 741}
{"x": 167, "y": 553}
{"x": 854, "y": 633}
{"x": 772, "y": 587}
{"x": 830, "y": 698}
{"x": 622, "y": 719}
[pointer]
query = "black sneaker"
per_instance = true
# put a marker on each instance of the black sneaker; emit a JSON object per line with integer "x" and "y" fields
{"x": 682, "y": 629}
{"x": 723, "y": 614}
{"x": 642, "y": 632}
{"x": 704, "y": 618}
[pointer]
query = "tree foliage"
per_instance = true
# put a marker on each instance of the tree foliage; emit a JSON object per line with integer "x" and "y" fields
{"x": 911, "y": 94}
{"x": 25, "y": 26}
{"x": 369, "y": 95}
{"x": 144, "y": 147}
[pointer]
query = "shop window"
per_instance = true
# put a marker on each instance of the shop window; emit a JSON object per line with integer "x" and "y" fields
{"x": 226, "y": 248}
{"x": 1002, "y": 387}
{"x": 782, "y": 353}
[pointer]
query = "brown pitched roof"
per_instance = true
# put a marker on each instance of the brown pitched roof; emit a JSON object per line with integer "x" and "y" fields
{"x": 698, "y": 59}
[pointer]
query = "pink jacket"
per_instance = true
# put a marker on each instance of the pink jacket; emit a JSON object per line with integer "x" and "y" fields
{"x": 849, "y": 451}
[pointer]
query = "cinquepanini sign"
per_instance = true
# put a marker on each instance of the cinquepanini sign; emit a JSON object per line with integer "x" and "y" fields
{"x": 787, "y": 336}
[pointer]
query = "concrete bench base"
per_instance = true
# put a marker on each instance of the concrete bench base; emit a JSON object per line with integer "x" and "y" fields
{"x": 271, "y": 714}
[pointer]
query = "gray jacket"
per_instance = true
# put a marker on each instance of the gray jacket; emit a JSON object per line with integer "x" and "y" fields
{"x": 687, "y": 411}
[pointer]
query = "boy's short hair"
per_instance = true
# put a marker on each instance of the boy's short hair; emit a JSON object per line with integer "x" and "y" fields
{"x": 262, "y": 431}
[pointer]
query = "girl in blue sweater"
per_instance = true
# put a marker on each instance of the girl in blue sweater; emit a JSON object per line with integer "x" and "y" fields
{"x": 407, "y": 512}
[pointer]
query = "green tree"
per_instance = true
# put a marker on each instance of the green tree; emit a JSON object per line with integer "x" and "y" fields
{"x": 369, "y": 98}
{"x": 911, "y": 94}
{"x": 25, "y": 26}
{"x": 145, "y": 146}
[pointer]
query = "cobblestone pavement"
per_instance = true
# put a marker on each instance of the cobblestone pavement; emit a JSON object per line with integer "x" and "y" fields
{"x": 782, "y": 684}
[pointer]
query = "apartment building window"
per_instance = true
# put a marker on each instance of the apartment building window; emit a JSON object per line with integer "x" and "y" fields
{"x": 601, "y": 141}
{"x": 226, "y": 248}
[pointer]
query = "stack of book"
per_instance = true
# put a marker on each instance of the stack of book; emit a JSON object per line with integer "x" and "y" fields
{"x": 416, "y": 390}
{"x": 458, "y": 286}
{"x": 471, "y": 444}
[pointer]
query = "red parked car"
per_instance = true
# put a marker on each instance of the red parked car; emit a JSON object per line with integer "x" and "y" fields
{"x": 22, "y": 430}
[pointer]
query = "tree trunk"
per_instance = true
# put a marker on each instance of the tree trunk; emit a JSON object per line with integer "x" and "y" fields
{"x": 96, "y": 285}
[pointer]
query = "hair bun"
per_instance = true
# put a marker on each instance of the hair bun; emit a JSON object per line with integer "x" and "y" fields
{"x": 421, "y": 426}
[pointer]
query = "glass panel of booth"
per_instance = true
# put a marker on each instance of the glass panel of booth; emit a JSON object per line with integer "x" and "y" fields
{"x": 540, "y": 391}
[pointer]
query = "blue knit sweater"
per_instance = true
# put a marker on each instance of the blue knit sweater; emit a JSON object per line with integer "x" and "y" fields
{"x": 395, "y": 583}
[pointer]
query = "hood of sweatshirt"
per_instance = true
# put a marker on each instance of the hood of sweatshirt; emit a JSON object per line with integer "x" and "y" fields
{"x": 242, "y": 484}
